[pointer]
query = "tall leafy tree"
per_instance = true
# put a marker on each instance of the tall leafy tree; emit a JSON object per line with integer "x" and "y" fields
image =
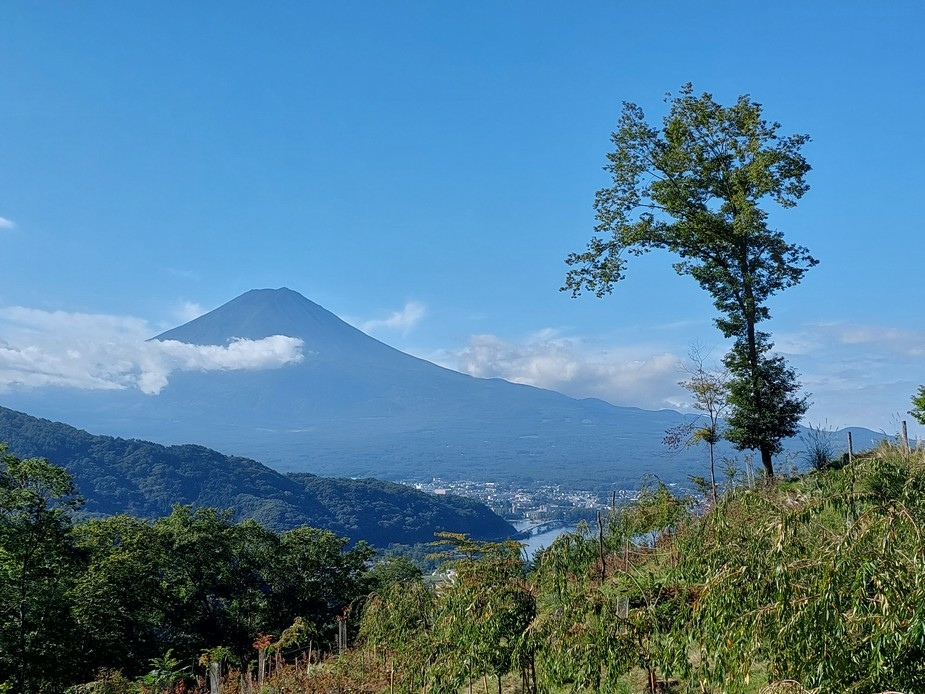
{"x": 317, "y": 577}
{"x": 486, "y": 610}
{"x": 397, "y": 622}
{"x": 37, "y": 561}
{"x": 215, "y": 579}
{"x": 695, "y": 187}
{"x": 120, "y": 599}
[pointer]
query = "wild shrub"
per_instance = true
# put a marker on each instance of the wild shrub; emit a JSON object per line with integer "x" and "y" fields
{"x": 824, "y": 583}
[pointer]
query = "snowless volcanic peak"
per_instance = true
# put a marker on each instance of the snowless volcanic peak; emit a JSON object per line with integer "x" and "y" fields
{"x": 257, "y": 314}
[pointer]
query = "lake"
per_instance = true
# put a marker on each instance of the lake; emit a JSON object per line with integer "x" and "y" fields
{"x": 535, "y": 543}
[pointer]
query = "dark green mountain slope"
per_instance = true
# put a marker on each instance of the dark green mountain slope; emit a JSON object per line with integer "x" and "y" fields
{"x": 145, "y": 479}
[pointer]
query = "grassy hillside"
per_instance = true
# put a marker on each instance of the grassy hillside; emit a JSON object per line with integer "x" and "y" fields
{"x": 815, "y": 584}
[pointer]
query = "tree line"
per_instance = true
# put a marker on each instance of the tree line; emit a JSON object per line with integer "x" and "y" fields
{"x": 120, "y": 592}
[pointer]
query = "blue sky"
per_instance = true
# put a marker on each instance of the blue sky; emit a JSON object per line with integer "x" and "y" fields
{"x": 422, "y": 169}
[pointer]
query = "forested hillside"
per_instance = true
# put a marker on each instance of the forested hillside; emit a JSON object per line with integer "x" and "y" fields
{"x": 810, "y": 585}
{"x": 145, "y": 480}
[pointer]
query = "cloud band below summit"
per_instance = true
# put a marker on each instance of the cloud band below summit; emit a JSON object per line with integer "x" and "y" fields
{"x": 102, "y": 352}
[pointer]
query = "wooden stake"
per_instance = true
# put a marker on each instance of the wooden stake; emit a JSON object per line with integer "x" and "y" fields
{"x": 600, "y": 536}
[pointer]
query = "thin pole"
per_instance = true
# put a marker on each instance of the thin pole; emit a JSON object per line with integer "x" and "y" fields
{"x": 600, "y": 529}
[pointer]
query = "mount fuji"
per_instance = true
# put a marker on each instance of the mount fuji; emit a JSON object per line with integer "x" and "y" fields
{"x": 353, "y": 406}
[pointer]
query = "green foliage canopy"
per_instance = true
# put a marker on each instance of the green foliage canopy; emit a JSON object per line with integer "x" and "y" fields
{"x": 695, "y": 187}
{"x": 918, "y": 405}
{"x": 122, "y": 591}
{"x": 37, "y": 563}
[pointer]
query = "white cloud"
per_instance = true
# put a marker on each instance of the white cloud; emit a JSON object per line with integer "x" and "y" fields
{"x": 855, "y": 336}
{"x": 158, "y": 359}
{"x": 7, "y": 223}
{"x": 188, "y": 310}
{"x": 855, "y": 375}
{"x": 636, "y": 375}
{"x": 401, "y": 321}
{"x": 31, "y": 321}
{"x": 908, "y": 343}
{"x": 97, "y": 351}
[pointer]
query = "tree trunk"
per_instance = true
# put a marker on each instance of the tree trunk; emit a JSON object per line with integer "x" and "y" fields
{"x": 713, "y": 465}
{"x": 753, "y": 364}
{"x": 766, "y": 461}
{"x": 214, "y": 677}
